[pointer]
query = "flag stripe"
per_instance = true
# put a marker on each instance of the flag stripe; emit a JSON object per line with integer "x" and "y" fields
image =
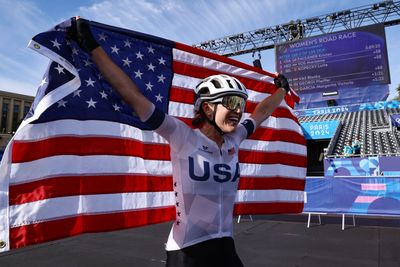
{"x": 46, "y": 231}
{"x": 272, "y": 195}
{"x": 272, "y": 158}
{"x": 268, "y": 208}
{"x": 85, "y": 146}
{"x": 264, "y": 183}
{"x": 87, "y": 185}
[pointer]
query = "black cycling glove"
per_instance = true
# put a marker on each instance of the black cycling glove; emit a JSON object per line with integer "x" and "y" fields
{"x": 281, "y": 82}
{"x": 80, "y": 33}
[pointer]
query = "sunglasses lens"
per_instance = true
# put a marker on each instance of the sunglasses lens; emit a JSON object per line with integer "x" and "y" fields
{"x": 232, "y": 102}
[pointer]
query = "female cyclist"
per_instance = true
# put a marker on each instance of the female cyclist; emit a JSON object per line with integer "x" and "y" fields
{"x": 205, "y": 163}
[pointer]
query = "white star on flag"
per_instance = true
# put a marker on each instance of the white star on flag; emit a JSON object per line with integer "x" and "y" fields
{"x": 62, "y": 103}
{"x": 149, "y": 86}
{"x": 127, "y": 62}
{"x": 60, "y": 69}
{"x": 161, "y": 61}
{"x": 43, "y": 82}
{"x": 75, "y": 51}
{"x": 103, "y": 94}
{"x": 56, "y": 44}
{"x": 159, "y": 97}
{"x": 90, "y": 82}
{"x": 77, "y": 93}
{"x": 139, "y": 55}
{"x": 151, "y": 49}
{"x": 87, "y": 62}
{"x": 116, "y": 107}
{"x": 91, "y": 103}
{"x": 102, "y": 37}
{"x": 114, "y": 49}
{"x": 138, "y": 74}
{"x": 161, "y": 78}
{"x": 127, "y": 43}
{"x": 151, "y": 67}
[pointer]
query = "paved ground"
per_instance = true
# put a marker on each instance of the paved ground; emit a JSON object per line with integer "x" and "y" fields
{"x": 267, "y": 241}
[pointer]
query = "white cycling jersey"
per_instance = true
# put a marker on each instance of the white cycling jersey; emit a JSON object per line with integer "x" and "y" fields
{"x": 205, "y": 179}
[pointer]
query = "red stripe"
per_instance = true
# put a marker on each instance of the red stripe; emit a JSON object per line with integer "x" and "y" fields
{"x": 87, "y": 185}
{"x": 266, "y": 183}
{"x": 200, "y": 72}
{"x": 181, "y": 95}
{"x": 52, "y": 230}
{"x": 227, "y": 60}
{"x": 270, "y": 134}
{"x": 85, "y": 146}
{"x": 280, "y": 112}
{"x": 268, "y": 208}
{"x": 261, "y": 157}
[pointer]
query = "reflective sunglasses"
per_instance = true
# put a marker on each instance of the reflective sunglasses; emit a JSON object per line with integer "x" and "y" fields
{"x": 231, "y": 102}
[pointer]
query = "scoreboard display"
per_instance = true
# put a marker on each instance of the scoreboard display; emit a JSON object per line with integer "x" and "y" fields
{"x": 346, "y": 59}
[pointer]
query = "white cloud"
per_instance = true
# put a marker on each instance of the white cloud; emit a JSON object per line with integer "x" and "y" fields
{"x": 20, "y": 68}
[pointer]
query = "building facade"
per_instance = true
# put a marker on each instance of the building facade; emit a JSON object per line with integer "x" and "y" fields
{"x": 13, "y": 109}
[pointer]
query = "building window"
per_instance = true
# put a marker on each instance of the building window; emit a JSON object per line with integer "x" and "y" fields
{"x": 26, "y": 110}
{"x": 15, "y": 116}
{"x": 4, "y": 116}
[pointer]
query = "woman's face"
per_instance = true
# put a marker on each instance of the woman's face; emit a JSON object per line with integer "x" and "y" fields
{"x": 227, "y": 120}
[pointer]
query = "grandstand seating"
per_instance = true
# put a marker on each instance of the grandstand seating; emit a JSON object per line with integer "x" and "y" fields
{"x": 371, "y": 126}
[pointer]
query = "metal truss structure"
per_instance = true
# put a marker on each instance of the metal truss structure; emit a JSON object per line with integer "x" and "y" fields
{"x": 386, "y": 12}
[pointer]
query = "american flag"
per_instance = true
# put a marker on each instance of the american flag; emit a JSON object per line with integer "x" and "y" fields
{"x": 81, "y": 161}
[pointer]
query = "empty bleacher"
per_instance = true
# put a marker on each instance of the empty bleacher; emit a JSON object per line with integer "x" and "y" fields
{"x": 371, "y": 126}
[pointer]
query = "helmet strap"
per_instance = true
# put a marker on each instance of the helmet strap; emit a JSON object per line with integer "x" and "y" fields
{"x": 212, "y": 122}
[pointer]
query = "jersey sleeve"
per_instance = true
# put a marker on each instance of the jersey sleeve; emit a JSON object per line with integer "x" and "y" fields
{"x": 169, "y": 127}
{"x": 244, "y": 130}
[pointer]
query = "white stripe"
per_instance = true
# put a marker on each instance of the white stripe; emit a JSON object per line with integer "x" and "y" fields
{"x": 273, "y": 146}
{"x": 200, "y": 61}
{"x": 63, "y": 207}
{"x": 67, "y": 165}
{"x": 74, "y": 165}
{"x": 277, "y": 195}
{"x": 281, "y": 124}
{"x": 184, "y": 81}
{"x": 265, "y": 170}
{"x": 86, "y": 128}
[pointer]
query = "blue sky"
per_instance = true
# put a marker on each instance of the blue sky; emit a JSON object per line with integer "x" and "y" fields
{"x": 189, "y": 22}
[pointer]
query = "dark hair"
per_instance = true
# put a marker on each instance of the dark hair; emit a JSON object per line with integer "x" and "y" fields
{"x": 199, "y": 116}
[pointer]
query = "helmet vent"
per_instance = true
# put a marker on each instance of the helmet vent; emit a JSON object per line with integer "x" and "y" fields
{"x": 216, "y": 83}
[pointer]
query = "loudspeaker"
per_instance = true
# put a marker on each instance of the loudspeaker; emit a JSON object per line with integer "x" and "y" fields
{"x": 257, "y": 63}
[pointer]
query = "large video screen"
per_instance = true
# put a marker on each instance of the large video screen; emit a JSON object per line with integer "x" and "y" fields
{"x": 351, "y": 58}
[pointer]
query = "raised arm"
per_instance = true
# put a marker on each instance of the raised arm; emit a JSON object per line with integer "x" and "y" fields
{"x": 113, "y": 74}
{"x": 266, "y": 107}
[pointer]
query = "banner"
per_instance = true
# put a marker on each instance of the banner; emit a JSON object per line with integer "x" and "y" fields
{"x": 361, "y": 195}
{"x": 320, "y": 129}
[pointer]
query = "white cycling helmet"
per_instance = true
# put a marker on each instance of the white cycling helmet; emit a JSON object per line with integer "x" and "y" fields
{"x": 217, "y": 86}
